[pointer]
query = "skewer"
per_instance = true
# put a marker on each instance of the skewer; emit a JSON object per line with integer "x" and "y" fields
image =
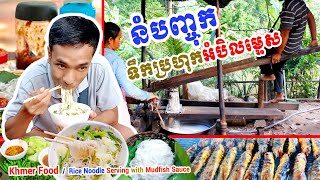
{"x": 56, "y": 141}
{"x": 59, "y": 136}
{"x": 53, "y": 89}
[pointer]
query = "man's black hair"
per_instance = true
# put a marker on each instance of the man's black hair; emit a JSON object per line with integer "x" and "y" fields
{"x": 73, "y": 30}
{"x": 111, "y": 30}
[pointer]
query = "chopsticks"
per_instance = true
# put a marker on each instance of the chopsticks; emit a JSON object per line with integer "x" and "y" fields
{"x": 29, "y": 99}
{"x": 59, "y": 136}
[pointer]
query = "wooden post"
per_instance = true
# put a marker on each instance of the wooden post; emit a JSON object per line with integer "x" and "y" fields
{"x": 260, "y": 94}
{"x": 223, "y": 121}
{"x": 143, "y": 48}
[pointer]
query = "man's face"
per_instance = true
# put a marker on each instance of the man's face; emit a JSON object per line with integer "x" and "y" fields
{"x": 70, "y": 64}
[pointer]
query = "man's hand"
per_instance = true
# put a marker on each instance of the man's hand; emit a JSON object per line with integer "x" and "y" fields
{"x": 313, "y": 43}
{"x": 39, "y": 104}
{"x": 276, "y": 58}
{"x": 92, "y": 115}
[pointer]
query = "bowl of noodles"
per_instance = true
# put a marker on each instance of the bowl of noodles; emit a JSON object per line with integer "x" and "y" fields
{"x": 68, "y": 111}
{"x": 95, "y": 145}
{"x": 77, "y": 113}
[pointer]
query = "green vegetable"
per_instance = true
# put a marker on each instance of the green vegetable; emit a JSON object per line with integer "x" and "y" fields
{"x": 6, "y": 76}
{"x": 85, "y": 133}
{"x": 35, "y": 145}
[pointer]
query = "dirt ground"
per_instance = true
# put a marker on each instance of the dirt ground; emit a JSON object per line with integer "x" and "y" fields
{"x": 305, "y": 123}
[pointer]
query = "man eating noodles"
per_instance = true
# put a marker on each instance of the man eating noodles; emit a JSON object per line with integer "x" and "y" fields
{"x": 71, "y": 62}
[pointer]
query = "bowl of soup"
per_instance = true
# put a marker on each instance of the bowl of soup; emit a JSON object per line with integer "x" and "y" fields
{"x": 14, "y": 149}
{"x": 77, "y": 114}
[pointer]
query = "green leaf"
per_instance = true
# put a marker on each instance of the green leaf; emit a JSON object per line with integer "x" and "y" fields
{"x": 6, "y": 76}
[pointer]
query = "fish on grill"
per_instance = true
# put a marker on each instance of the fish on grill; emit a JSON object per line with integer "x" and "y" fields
{"x": 250, "y": 144}
{"x": 252, "y": 171}
{"x": 315, "y": 147}
{"x": 200, "y": 160}
{"x": 283, "y": 168}
{"x": 299, "y": 167}
{"x": 216, "y": 142}
{"x": 240, "y": 166}
{"x": 292, "y": 145}
{"x": 203, "y": 143}
{"x": 213, "y": 164}
{"x": 191, "y": 151}
{"x": 305, "y": 145}
{"x": 227, "y": 164}
{"x": 267, "y": 172}
{"x": 263, "y": 144}
{"x": 314, "y": 172}
{"x": 241, "y": 144}
{"x": 277, "y": 146}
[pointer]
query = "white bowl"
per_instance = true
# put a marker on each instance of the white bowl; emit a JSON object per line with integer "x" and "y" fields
{"x": 67, "y": 120}
{"x": 72, "y": 130}
{"x": 14, "y": 142}
{"x": 41, "y": 155}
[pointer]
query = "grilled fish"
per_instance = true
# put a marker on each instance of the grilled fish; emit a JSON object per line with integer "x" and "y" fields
{"x": 229, "y": 143}
{"x": 277, "y": 146}
{"x": 263, "y": 144}
{"x": 227, "y": 164}
{"x": 216, "y": 142}
{"x": 268, "y": 167}
{"x": 292, "y": 146}
{"x": 240, "y": 166}
{"x": 192, "y": 151}
{"x": 200, "y": 160}
{"x": 203, "y": 143}
{"x": 315, "y": 147}
{"x": 305, "y": 145}
{"x": 252, "y": 171}
{"x": 283, "y": 168}
{"x": 213, "y": 164}
{"x": 299, "y": 167}
{"x": 314, "y": 172}
{"x": 250, "y": 144}
{"x": 241, "y": 144}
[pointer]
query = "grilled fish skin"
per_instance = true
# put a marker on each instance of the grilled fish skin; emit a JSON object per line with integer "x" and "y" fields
{"x": 203, "y": 143}
{"x": 277, "y": 146}
{"x": 263, "y": 144}
{"x": 216, "y": 142}
{"x": 315, "y": 147}
{"x": 292, "y": 146}
{"x": 283, "y": 168}
{"x": 240, "y": 166}
{"x": 229, "y": 143}
{"x": 191, "y": 151}
{"x": 314, "y": 172}
{"x": 252, "y": 171}
{"x": 250, "y": 144}
{"x": 213, "y": 164}
{"x": 267, "y": 172}
{"x": 241, "y": 144}
{"x": 299, "y": 167}
{"x": 227, "y": 164}
{"x": 305, "y": 145}
{"x": 200, "y": 160}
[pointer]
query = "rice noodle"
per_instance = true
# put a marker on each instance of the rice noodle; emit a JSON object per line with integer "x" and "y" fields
{"x": 152, "y": 153}
{"x": 69, "y": 106}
